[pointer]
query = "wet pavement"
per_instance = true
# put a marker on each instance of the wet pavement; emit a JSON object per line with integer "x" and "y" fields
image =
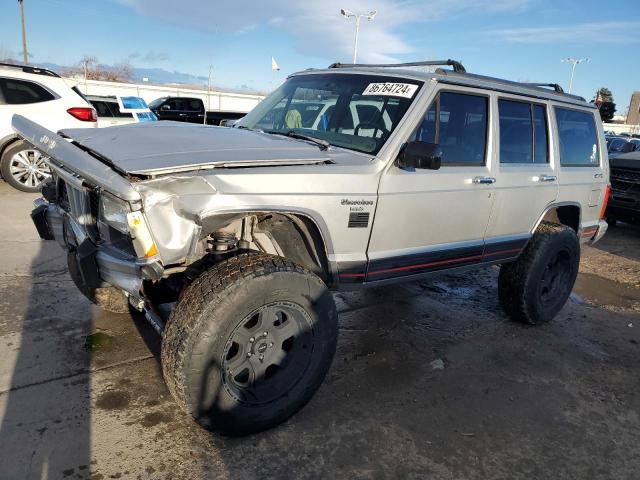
{"x": 430, "y": 380}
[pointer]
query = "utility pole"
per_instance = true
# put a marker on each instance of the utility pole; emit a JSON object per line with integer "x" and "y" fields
{"x": 204, "y": 120}
{"x": 24, "y": 34}
{"x": 574, "y": 62}
{"x": 358, "y": 16}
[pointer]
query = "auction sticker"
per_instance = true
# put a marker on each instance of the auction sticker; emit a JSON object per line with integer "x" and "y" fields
{"x": 391, "y": 89}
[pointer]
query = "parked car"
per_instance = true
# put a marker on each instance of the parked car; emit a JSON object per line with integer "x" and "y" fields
{"x": 189, "y": 109}
{"x": 343, "y": 178}
{"x": 624, "y": 203}
{"x": 44, "y": 97}
{"x": 619, "y": 145}
{"x": 117, "y": 110}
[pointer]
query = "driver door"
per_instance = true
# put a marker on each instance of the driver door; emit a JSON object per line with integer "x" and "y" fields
{"x": 429, "y": 220}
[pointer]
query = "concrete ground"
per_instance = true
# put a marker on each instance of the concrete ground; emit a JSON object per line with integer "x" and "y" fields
{"x": 430, "y": 380}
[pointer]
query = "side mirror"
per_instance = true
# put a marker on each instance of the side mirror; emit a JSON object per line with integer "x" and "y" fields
{"x": 165, "y": 107}
{"x": 421, "y": 155}
{"x": 628, "y": 147}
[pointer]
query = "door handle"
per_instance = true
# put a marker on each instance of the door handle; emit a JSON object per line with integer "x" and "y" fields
{"x": 547, "y": 178}
{"x": 598, "y": 175}
{"x": 484, "y": 180}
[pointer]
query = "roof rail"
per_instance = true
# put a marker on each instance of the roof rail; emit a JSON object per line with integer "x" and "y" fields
{"x": 457, "y": 66}
{"x": 29, "y": 69}
{"x": 555, "y": 86}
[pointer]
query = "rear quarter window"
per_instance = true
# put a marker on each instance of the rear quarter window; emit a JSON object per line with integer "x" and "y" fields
{"x": 22, "y": 92}
{"x": 578, "y": 138}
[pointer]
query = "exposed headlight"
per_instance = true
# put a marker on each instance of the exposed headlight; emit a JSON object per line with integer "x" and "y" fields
{"x": 118, "y": 215}
{"x": 113, "y": 212}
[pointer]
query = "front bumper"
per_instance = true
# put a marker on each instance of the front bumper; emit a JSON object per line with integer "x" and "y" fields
{"x": 99, "y": 264}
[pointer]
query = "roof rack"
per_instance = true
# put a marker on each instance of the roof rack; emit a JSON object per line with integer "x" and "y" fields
{"x": 534, "y": 86}
{"x": 457, "y": 66}
{"x": 29, "y": 69}
{"x": 555, "y": 86}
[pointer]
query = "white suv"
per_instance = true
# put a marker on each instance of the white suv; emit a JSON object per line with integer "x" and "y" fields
{"x": 44, "y": 97}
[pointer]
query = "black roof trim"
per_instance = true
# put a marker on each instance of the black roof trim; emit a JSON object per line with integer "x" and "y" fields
{"x": 29, "y": 69}
{"x": 457, "y": 66}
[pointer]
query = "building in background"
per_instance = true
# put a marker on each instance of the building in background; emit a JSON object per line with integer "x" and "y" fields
{"x": 633, "y": 117}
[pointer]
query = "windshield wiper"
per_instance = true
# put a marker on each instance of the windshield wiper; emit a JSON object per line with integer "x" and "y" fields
{"x": 323, "y": 144}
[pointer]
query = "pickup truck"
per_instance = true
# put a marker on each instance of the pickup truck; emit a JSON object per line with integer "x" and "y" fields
{"x": 189, "y": 109}
{"x": 343, "y": 178}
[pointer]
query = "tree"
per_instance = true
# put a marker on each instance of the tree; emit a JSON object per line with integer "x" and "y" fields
{"x": 604, "y": 101}
{"x": 90, "y": 69}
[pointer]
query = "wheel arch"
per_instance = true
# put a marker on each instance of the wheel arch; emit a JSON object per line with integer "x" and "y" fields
{"x": 562, "y": 213}
{"x": 298, "y": 235}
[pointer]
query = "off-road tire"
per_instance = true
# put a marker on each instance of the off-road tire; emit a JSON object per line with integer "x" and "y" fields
{"x": 110, "y": 299}
{"x": 207, "y": 316}
{"x": 521, "y": 283}
{"x": 5, "y": 166}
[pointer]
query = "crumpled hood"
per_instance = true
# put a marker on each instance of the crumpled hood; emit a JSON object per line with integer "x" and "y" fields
{"x": 166, "y": 147}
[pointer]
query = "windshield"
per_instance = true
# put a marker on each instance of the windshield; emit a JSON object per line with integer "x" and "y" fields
{"x": 347, "y": 110}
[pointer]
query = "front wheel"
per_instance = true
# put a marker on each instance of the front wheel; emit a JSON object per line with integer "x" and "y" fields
{"x": 534, "y": 288}
{"x": 23, "y": 167}
{"x": 249, "y": 343}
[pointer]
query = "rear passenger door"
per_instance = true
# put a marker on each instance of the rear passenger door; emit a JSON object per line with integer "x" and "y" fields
{"x": 583, "y": 161}
{"x": 194, "y": 109}
{"x": 526, "y": 171}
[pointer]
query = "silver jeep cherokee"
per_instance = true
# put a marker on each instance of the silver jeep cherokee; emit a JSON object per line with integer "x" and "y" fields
{"x": 230, "y": 239}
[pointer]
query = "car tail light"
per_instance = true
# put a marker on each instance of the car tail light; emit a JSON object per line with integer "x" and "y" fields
{"x": 605, "y": 201}
{"x": 85, "y": 114}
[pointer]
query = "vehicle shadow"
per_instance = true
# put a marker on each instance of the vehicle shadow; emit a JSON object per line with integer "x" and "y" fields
{"x": 622, "y": 240}
{"x": 45, "y": 426}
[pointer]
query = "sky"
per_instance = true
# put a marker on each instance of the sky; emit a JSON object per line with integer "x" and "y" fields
{"x": 522, "y": 40}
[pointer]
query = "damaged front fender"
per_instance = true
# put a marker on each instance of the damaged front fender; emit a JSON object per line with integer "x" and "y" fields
{"x": 172, "y": 206}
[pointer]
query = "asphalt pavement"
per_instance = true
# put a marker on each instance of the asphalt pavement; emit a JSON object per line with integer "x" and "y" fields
{"x": 430, "y": 380}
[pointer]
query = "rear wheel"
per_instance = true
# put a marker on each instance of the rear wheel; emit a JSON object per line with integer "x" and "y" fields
{"x": 249, "y": 343}
{"x": 24, "y": 167}
{"x": 534, "y": 288}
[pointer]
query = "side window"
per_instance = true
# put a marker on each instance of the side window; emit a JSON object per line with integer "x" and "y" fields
{"x": 578, "y": 138}
{"x": 523, "y": 132}
{"x": 458, "y": 124}
{"x": 21, "y": 92}
{"x": 516, "y": 132}
{"x": 115, "y": 111}
{"x": 194, "y": 105}
{"x": 175, "y": 104}
{"x": 102, "y": 108}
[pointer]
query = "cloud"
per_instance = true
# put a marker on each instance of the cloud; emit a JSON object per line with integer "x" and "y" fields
{"x": 601, "y": 32}
{"x": 317, "y": 28}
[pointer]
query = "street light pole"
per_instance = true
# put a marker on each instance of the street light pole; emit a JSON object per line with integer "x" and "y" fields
{"x": 574, "y": 62}
{"x": 358, "y": 16}
{"x": 24, "y": 34}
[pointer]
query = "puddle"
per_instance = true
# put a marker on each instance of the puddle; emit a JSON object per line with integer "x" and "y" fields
{"x": 602, "y": 291}
{"x": 97, "y": 341}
